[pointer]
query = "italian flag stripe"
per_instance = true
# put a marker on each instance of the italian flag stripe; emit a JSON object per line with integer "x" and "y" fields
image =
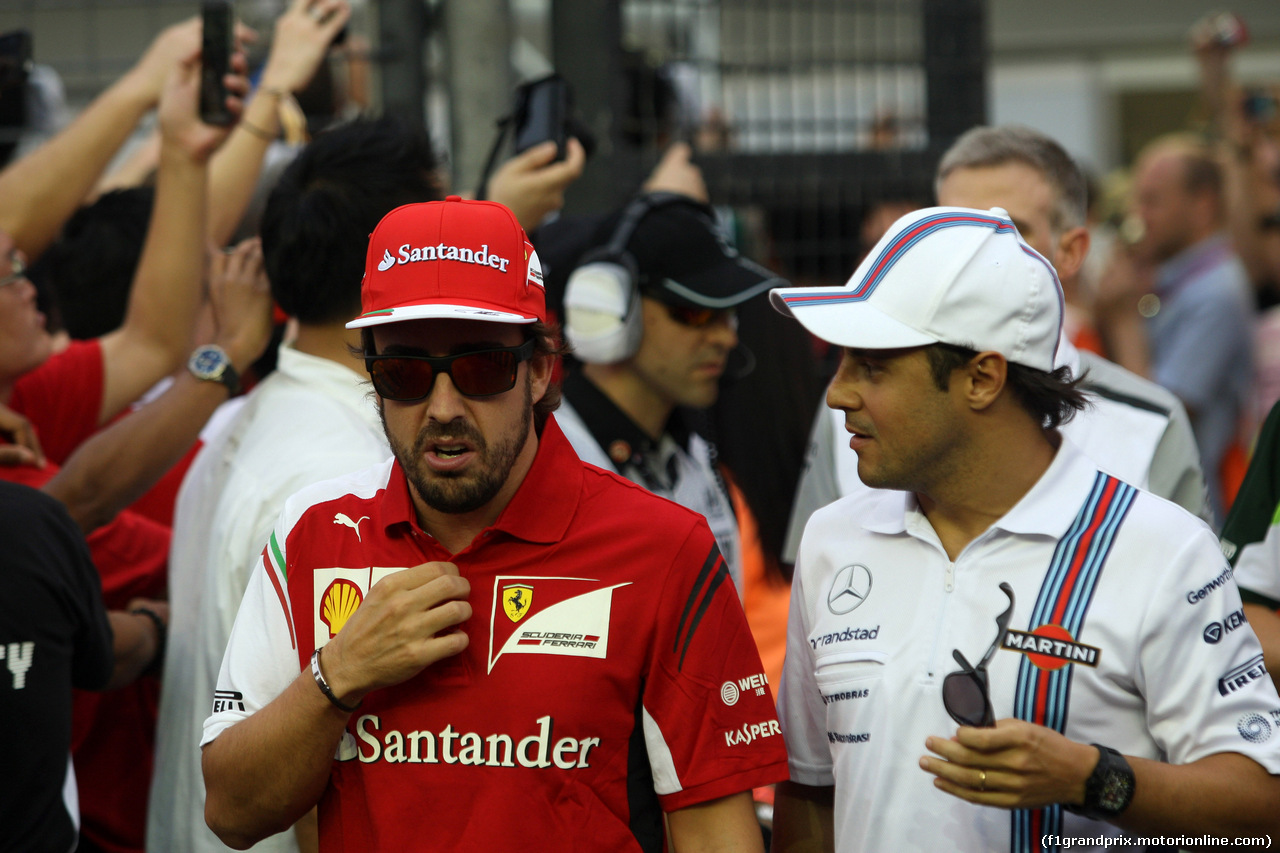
{"x": 273, "y": 560}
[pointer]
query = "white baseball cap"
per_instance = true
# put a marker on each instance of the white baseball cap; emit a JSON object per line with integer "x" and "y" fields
{"x": 948, "y": 275}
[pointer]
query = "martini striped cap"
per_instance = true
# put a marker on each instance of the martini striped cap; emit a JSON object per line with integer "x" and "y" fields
{"x": 942, "y": 275}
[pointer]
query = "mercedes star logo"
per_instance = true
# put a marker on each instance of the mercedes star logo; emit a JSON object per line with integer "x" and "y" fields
{"x": 850, "y": 588}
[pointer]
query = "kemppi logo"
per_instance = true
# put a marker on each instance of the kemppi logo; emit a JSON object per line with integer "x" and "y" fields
{"x": 1215, "y": 631}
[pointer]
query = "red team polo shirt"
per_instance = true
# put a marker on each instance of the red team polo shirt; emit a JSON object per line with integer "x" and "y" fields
{"x": 610, "y": 674}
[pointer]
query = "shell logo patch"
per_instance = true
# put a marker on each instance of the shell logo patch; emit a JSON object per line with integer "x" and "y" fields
{"x": 517, "y": 598}
{"x": 336, "y": 594}
{"x": 1051, "y": 647}
{"x": 571, "y": 617}
{"x": 340, "y": 601}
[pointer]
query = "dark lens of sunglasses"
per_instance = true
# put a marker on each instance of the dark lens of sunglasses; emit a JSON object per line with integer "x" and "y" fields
{"x": 478, "y": 375}
{"x": 695, "y": 317}
{"x": 965, "y": 699}
{"x": 401, "y": 378}
{"x": 484, "y": 373}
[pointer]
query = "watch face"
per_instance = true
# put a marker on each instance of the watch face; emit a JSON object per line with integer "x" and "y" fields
{"x": 207, "y": 361}
{"x": 1116, "y": 792}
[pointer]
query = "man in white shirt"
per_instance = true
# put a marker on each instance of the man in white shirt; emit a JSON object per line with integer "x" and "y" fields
{"x": 994, "y": 577}
{"x": 1133, "y": 428}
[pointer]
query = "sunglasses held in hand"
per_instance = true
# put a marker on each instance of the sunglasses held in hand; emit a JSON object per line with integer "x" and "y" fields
{"x": 965, "y": 693}
{"x": 480, "y": 373}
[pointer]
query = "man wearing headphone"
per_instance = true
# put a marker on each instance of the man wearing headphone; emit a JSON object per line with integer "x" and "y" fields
{"x": 649, "y": 312}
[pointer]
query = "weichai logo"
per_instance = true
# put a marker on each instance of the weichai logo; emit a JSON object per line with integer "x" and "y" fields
{"x": 1051, "y": 647}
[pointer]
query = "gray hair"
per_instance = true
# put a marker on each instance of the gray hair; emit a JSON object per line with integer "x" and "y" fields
{"x": 984, "y": 147}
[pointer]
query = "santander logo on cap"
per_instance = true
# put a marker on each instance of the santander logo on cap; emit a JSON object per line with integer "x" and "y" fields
{"x": 408, "y": 254}
{"x": 451, "y": 258}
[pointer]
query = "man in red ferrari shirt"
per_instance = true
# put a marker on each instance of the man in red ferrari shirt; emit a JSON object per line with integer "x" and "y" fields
{"x": 520, "y": 651}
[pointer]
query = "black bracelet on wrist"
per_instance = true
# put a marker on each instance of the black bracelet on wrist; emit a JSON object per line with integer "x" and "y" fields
{"x": 162, "y": 639}
{"x": 324, "y": 685}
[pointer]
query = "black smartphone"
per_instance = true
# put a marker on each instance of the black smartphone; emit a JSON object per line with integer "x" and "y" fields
{"x": 15, "y": 66}
{"x": 215, "y": 60}
{"x": 541, "y": 113}
{"x": 15, "y": 58}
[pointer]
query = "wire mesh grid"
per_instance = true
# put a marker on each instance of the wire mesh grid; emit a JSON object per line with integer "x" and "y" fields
{"x": 811, "y": 117}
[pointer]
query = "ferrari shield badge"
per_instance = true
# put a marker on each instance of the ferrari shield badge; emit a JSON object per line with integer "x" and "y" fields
{"x": 516, "y": 599}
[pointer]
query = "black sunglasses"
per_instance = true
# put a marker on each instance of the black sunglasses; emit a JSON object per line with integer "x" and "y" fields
{"x": 480, "y": 373}
{"x": 965, "y": 693}
{"x": 697, "y": 318}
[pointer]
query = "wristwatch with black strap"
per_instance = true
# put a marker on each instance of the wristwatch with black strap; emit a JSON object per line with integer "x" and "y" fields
{"x": 212, "y": 364}
{"x": 1109, "y": 789}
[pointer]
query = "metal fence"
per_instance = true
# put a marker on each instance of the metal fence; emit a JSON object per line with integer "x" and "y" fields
{"x": 805, "y": 114}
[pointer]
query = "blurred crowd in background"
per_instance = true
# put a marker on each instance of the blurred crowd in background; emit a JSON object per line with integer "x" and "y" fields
{"x": 131, "y": 232}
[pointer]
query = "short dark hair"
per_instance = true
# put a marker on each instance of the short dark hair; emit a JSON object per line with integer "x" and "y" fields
{"x": 90, "y": 268}
{"x": 548, "y": 341}
{"x": 317, "y": 222}
{"x": 1050, "y": 398}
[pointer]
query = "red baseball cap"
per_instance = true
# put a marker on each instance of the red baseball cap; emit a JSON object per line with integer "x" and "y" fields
{"x": 455, "y": 258}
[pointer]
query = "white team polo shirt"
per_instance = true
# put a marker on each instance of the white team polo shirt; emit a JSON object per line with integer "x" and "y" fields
{"x": 1117, "y": 591}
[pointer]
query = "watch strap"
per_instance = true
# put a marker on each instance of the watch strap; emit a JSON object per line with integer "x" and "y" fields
{"x": 1109, "y": 789}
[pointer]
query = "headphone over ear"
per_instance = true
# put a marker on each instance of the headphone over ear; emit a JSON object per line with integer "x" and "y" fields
{"x": 602, "y": 295}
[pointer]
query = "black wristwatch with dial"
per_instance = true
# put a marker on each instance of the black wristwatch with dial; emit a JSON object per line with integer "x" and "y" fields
{"x": 1109, "y": 790}
{"x": 212, "y": 364}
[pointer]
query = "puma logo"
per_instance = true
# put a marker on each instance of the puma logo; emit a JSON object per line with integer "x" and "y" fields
{"x": 345, "y": 521}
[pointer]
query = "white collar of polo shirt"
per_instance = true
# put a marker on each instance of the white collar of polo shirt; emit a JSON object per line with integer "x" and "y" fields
{"x": 1046, "y": 509}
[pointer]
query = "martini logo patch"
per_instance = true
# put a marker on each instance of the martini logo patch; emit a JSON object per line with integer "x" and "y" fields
{"x": 1051, "y": 647}
{"x": 570, "y": 617}
{"x": 337, "y": 594}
